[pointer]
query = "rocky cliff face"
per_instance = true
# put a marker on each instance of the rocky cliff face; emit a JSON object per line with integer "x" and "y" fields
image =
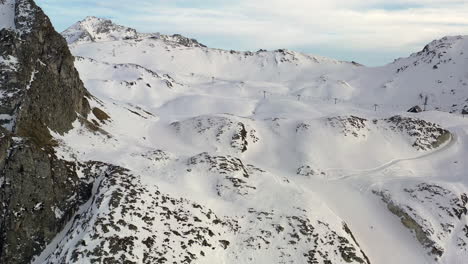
{"x": 40, "y": 91}
{"x": 42, "y": 66}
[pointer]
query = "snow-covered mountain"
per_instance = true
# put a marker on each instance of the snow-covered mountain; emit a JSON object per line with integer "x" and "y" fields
{"x": 180, "y": 153}
{"x": 94, "y": 29}
{"x": 438, "y": 71}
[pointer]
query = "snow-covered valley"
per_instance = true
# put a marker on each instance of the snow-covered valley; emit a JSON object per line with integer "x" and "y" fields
{"x": 201, "y": 155}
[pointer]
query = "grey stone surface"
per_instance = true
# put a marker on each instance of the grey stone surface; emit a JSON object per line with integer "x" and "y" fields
{"x": 41, "y": 90}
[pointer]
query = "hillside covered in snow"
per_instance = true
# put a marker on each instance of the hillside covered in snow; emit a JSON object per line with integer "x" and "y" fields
{"x": 180, "y": 153}
{"x": 437, "y": 72}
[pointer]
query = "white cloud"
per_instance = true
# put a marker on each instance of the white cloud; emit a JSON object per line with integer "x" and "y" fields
{"x": 373, "y": 25}
{"x": 327, "y": 19}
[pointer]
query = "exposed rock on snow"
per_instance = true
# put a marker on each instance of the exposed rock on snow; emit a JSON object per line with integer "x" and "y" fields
{"x": 309, "y": 171}
{"x": 221, "y": 132}
{"x": 233, "y": 176}
{"x": 426, "y": 135}
{"x": 128, "y": 221}
{"x": 352, "y": 125}
{"x": 421, "y": 135}
{"x": 415, "y": 109}
{"x": 435, "y": 213}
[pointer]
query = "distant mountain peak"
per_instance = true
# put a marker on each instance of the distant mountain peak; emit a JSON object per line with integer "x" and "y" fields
{"x": 95, "y": 29}
{"x": 446, "y": 50}
{"x": 441, "y": 46}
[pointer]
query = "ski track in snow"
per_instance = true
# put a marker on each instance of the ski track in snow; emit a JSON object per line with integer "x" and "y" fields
{"x": 381, "y": 234}
{"x": 367, "y": 172}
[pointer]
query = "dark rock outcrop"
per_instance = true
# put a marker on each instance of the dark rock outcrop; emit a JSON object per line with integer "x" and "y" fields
{"x": 184, "y": 41}
{"x": 45, "y": 90}
{"x": 41, "y": 92}
{"x": 425, "y": 135}
{"x": 465, "y": 111}
{"x": 415, "y": 109}
{"x": 40, "y": 194}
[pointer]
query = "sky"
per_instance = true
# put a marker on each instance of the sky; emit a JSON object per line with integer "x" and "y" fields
{"x": 371, "y": 32}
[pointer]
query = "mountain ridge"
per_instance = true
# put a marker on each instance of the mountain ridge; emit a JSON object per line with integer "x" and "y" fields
{"x": 402, "y": 81}
{"x": 93, "y": 24}
{"x": 80, "y": 32}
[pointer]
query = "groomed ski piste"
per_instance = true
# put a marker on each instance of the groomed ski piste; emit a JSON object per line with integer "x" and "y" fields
{"x": 246, "y": 157}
